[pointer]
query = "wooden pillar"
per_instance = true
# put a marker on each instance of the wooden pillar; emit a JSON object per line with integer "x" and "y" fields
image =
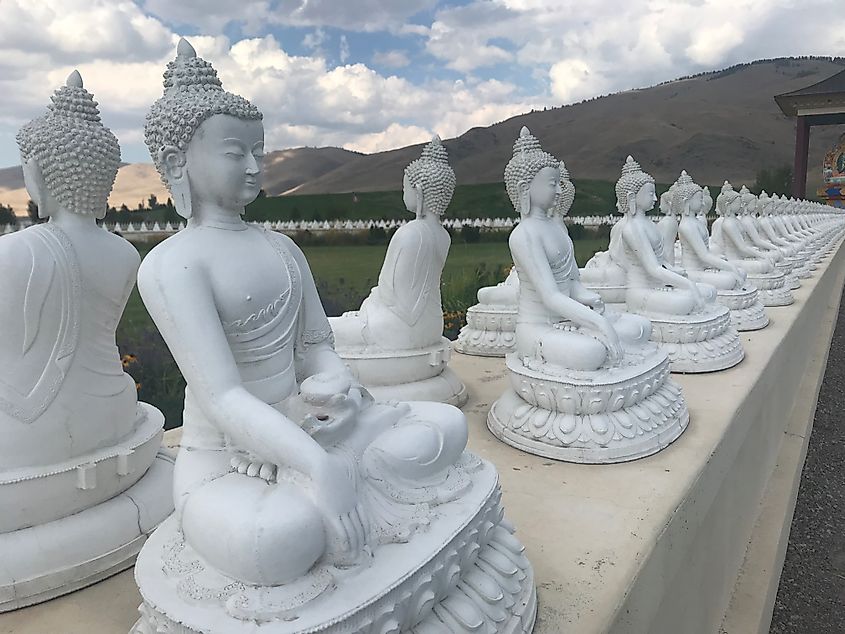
{"x": 802, "y": 149}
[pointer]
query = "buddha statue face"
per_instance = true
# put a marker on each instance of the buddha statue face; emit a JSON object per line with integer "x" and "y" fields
{"x": 696, "y": 204}
{"x": 645, "y": 199}
{"x": 544, "y": 189}
{"x": 666, "y": 202}
{"x": 207, "y": 144}
{"x": 222, "y": 165}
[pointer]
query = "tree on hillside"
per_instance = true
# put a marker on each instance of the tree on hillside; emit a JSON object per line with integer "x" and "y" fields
{"x": 7, "y": 216}
{"x": 777, "y": 180}
{"x": 32, "y": 212}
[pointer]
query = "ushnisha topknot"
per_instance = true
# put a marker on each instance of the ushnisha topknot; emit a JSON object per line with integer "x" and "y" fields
{"x": 726, "y": 196}
{"x": 683, "y": 190}
{"x": 192, "y": 94}
{"x": 564, "y": 200}
{"x": 434, "y": 176}
{"x": 630, "y": 183}
{"x": 527, "y": 160}
{"x": 77, "y": 155}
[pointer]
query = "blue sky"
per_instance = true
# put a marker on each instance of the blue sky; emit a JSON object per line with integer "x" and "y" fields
{"x": 371, "y": 75}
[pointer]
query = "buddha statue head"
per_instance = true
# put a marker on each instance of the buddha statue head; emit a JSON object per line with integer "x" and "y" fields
{"x": 706, "y": 201}
{"x": 429, "y": 181}
{"x": 666, "y": 203}
{"x": 765, "y": 203}
{"x": 207, "y": 144}
{"x": 728, "y": 202}
{"x": 749, "y": 202}
{"x": 687, "y": 196}
{"x": 564, "y": 200}
{"x": 634, "y": 189}
{"x": 532, "y": 176}
{"x": 69, "y": 158}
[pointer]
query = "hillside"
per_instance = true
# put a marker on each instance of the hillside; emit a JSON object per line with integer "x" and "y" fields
{"x": 718, "y": 125}
{"x": 723, "y": 124}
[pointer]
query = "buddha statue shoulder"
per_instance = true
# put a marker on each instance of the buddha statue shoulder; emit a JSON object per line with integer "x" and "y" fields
{"x": 67, "y": 408}
{"x": 290, "y": 479}
{"x": 404, "y": 310}
{"x": 567, "y": 341}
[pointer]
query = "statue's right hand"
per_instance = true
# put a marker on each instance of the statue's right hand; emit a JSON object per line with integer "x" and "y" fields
{"x": 346, "y": 525}
{"x": 615, "y": 353}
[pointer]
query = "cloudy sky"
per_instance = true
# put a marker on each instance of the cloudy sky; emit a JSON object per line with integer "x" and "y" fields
{"x": 371, "y": 75}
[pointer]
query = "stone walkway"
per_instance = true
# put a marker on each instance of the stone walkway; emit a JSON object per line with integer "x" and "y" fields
{"x": 811, "y": 596}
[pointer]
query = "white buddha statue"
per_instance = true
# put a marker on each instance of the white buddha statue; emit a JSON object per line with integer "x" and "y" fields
{"x": 667, "y": 226}
{"x": 298, "y": 498}
{"x": 796, "y": 249}
{"x": 80, "y": 485}
{"x": 747, "y": 218}
{"x": 491, "y": 323}
{"x": 702, "y": 266}
{"x": 686, "y": 320}
{"x": 573, "y": 358}
{"x": 728, "y": 239}
{"x": 394, "y": 343}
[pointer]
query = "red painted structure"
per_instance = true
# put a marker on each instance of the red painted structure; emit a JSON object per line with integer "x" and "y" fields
{"x": 822, "y": 103}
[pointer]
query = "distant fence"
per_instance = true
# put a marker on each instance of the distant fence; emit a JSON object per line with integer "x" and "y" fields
{"x": 144, "y": 229}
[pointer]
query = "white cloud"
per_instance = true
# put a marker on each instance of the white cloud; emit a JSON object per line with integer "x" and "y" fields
{"x": 353, "y": 15}
{"x": 391, "y": 59}
{"x": 344, "y": 50}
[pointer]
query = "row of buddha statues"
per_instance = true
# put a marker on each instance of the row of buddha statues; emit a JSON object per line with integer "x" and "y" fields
{"x": 323, "y": 481}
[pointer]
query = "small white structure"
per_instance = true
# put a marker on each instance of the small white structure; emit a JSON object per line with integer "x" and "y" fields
{"x": 301, "y": 504}
{"x": 394, "y": 343}
{"x": 81, "y": 479}
{"x": 586, "y": 384}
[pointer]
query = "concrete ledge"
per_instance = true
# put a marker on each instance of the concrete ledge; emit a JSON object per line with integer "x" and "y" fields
{"x": 656, "y": 545}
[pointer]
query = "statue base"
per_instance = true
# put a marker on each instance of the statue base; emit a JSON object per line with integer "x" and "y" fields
{"x": 489, "y": 332}
{"x": 772, "y": 289}
{"x": 48, "y": 560}
{"x": 465, "y": 573}
{"x": 702, "y": 342}
{"x": 407, "y": 375}
{"x": 788, "y": 269}
{"x": 613, "y": 414}
{"x": 747, "y": 312}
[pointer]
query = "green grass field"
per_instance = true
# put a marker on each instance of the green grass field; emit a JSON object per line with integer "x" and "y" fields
{"x": 345, "y": 274}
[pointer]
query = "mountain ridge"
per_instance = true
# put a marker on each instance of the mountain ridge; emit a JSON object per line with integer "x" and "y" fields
{"x": 716, "y": 124}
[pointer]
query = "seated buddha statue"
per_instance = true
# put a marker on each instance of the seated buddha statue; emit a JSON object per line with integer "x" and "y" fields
{"x": 703, "y": 266}
{"x": 795, "y": 249}
{"x": 77, "y": 446}
{"x": 504, "y": 293}
{"x": 728, "y": 240}
{"x": 394, "y": 343}
{"x": 491, "y": 323}
{"x": 566, "y": 341}
{"x": 747, "y": 218}
{"x": 664, "y": 294}
{"x": 297, "y": 496}
{"x": 667, "y": 227}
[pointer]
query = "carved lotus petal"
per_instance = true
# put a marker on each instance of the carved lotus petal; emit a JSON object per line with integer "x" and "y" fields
{"x": 459, "y": 610}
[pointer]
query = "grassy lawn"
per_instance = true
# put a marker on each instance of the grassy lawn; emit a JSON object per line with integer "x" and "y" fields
{"x": 345, "y": 274}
